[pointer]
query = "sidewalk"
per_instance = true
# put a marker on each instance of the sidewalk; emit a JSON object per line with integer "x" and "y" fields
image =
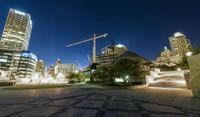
{"x": 98, "y": 101}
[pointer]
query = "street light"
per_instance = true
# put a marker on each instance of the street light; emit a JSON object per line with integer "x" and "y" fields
{"x": 189, "y": 54}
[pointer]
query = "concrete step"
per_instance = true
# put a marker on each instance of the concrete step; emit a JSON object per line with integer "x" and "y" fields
{"x": 172, "y": 84}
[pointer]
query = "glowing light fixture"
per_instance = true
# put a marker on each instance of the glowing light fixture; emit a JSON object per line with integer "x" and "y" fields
{"x": 178, "y": 69}
{"x": 178, "y": 34}
{"x": 19, "y": 12}
{"x": 189, "y": 54}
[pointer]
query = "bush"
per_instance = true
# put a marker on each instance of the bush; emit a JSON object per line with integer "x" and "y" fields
{"x": 76, "y": 77}
{"x": 71, "y": 81}
{"x": 104, "y": 73}
{"x": 167, "y": 68}
{"x": 4, "y": 83}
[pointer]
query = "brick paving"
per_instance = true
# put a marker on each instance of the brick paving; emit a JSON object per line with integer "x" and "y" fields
{"x": 93, "y": 104}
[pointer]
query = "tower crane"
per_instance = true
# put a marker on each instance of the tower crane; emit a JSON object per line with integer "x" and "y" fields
{"x": 94, "y": 44}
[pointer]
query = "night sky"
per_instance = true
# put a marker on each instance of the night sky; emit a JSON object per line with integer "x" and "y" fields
{"x": 142, "y": 25}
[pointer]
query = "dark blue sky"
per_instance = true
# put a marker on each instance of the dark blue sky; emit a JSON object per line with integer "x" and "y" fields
{"x": 142, "y": 25}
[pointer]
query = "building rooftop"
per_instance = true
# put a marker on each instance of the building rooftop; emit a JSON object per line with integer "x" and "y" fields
{"x": 178, "y": 34}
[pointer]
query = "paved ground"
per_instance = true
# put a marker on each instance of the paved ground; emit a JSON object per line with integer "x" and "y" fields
{"x": 97, "y": 101}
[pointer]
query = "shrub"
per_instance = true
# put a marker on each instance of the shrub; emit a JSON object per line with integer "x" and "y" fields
{"x": 4, "y": 83}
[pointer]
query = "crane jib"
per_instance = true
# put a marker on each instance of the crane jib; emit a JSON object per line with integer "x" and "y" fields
{"x": 104, "y": 35}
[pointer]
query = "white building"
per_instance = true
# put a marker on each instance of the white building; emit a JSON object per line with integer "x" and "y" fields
{"x": 179, "y": 43}
{"x": 17, "y": 31}
{"x": 64, "y": 68}
{"x": 14, "y": 55}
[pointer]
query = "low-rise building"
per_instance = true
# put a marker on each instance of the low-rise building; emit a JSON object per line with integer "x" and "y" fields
{"x": 27, "y": 65}
{"x": 20, "y": 64}
{"x": 65, "y": 69}
{"x": 110, "y": 53}
{"x": 61, "y": 68}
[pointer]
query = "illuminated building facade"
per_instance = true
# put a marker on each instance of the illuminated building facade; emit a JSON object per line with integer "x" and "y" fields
{"x": 65, "y": 69}
{"x": 40, "y": 67}
{"x": 51, "y": 71}
{"x": 164, "y": 56}
{"x": 167, "y": 58}
{"x": 117, "y": 49}
{"x": 180, "y": 45}
{"x": 61, "y": 68}
{"x": 21, "y": 64}
{"x": 17, "y": 31}
{"x": 9, "y": 60}
{"x": 27, "y": 65}
{"x": 109, "y": 53}
{"x": 14, "y": 55}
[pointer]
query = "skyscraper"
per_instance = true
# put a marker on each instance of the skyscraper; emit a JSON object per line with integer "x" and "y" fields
{"x": 15, "y": 59}
{"x": 179, "y": 44}
{"x": 17, "y": 31}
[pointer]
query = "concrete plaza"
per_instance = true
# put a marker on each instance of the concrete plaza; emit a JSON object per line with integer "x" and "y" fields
{"x": 99, "y": 101}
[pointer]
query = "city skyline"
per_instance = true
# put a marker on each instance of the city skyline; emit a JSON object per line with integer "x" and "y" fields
{"x": 141, "y": 31}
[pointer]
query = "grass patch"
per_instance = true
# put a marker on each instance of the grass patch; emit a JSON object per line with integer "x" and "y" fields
{"x": 36, "y": 86}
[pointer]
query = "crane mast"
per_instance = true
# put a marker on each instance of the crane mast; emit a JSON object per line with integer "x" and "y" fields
{"x": 94, "y": 49}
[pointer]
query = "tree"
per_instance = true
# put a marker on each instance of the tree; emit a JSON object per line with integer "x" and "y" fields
{"x": 184, "y": 63}
{"x": 80, "y": 77}
{"x": 105, "y": 73}
{"x": 73, "y": 77}
{"x": 195, "y": 51}
{"x": 12, "y": 76}
{"x": 129, "y": 69}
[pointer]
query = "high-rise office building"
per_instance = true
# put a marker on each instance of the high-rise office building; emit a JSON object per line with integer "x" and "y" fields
{"x": 40, "y": 67}
{"x": 15, "y": 59}
{"x": 17, "y": 31}
{"x": 180, "y": 45}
